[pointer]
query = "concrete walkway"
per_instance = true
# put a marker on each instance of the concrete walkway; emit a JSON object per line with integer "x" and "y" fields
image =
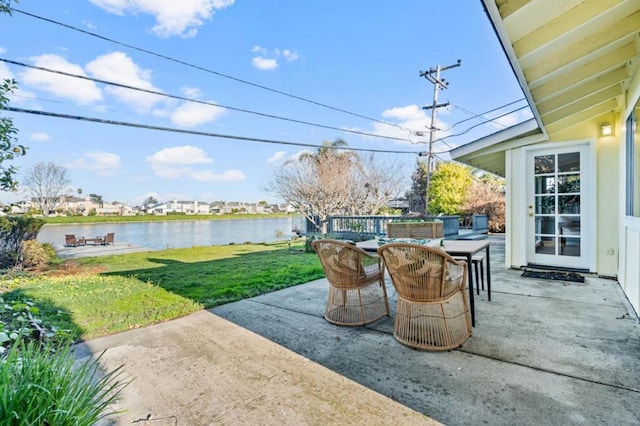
{"x": 90, "y": 250}
{"x": 543, "y": 352}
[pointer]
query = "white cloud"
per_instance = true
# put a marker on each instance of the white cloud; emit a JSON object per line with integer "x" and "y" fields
{"x": 2, "y": 50}
{"x": 511, "y": 119}
{"x": 120, "y": 68}
{"x": 81, "y": 91}
{"x": 264, "y": 63}
{"x": 268, "y": 59}
{"x": 172, "y": 17}
{"x": 89, "y": 25}
{"x": 39, "y": 137}
{"x": 406, "y": 122}
{"x": 191, "y": 92}
{"x": 232, "y": 175}
{"x": 5, "y": 72}
{"x": 179, "y": 155}
{"x": 262, "y": 50}
{"x": 99, "y": 162}
{"x": 277, "y": 157}
{"x": 178, "y": 162}
{"x": 191, "y": 114}
{"x": 290, "y": 55}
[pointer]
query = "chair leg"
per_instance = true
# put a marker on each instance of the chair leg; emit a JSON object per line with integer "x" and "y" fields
{"x": 475, "y": 267}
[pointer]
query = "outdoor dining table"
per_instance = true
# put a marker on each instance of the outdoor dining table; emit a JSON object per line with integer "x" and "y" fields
{"x": 461, "y": 248}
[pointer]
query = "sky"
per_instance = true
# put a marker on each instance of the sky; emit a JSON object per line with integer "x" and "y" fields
{"x": 270, "y": 79}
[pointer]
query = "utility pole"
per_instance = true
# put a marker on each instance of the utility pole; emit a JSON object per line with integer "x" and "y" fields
{"x": 433, "y": 75}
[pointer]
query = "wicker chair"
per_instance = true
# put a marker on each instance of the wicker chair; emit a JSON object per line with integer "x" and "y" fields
{"x": 357, "y": 293}
{"x": 433, "y": 312}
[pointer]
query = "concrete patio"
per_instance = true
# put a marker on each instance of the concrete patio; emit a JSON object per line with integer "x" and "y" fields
{"x": 543, "y": 352}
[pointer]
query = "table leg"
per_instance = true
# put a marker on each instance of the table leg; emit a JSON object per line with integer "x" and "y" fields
{"x": 488, "y": 274}
{"x": 471, "y": 301}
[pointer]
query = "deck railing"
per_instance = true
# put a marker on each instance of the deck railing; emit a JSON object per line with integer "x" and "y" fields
{"x": 376, "y": 225}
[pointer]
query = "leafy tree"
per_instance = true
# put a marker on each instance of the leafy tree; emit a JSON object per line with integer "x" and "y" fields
{"x": 47, "y": 182}
{"x": 486, "y": 196}
{"x": 9, "y": 147}
{"x": 449, "y": 185}
{"x": 14, "y": 230}
{"x": 416, "y": 196}
{"x": 5, "y": 6}
{"x": 96, "y": 198}
{"x": 149, "y": 201}
{"x": 334, "y": 181}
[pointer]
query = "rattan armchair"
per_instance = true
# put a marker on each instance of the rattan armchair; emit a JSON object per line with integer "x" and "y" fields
{"x": 432, "y": 312}
{"x": 357, "y": 293}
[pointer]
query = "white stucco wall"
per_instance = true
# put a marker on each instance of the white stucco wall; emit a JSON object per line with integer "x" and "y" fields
{"x": 629, "y": 227}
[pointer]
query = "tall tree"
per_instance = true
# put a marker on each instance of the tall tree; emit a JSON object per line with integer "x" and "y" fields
{"x": 333, "y": 181}
{"x": 47, "y": 182}
{"x": 416, "y": 196}
{"x": 149, "y": 201}
{"x": 9, "y": 147}
{"x": 448, "y": 189}
{"x": 374, "y": 184}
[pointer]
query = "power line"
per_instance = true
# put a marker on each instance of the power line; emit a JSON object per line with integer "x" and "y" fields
{"x": 201, "y": 68}
{"x": 481, "y": 115}
{"x": 480, "y": 124}
{"x": 191, "y": 132}
{"x": 154, "y": 92}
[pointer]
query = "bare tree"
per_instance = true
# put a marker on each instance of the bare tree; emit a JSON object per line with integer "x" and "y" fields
{"x": 47, "y": 182}
{"x": 335, "y": 181}
{"x": 374, "y": 184}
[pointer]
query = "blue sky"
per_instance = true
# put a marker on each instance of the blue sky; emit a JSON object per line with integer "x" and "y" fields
{"x": 363, "y": 57}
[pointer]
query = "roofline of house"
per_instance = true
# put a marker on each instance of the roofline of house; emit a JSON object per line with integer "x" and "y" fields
{"x": 495, "y": 19}
{"x": 513, "y": 132}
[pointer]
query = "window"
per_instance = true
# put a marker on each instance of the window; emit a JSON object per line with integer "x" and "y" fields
{"x": 633, "y": 163}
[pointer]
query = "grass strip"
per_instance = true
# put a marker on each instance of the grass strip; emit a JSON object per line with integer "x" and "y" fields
{"x": 118, "y": 293}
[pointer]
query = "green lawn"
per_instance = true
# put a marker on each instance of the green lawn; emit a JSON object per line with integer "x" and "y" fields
{"x": 138, "y": 289}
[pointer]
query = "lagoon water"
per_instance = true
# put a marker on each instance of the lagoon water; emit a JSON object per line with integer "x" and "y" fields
{"x": 178, "y": 234}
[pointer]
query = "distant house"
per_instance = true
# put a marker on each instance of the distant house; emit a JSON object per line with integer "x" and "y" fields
{"x": 114, "y": 208}
{"x": 175, "y": 206}
{"x": 573, "y": 171}
{"x": 76, "y": 205}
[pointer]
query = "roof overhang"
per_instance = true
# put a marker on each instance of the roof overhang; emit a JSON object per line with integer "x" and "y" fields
{"x": 574, "y": 60}
{"x": 488, "y": 152}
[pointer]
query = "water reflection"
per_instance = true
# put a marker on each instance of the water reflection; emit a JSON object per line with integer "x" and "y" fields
{"x": 178, "y": 234}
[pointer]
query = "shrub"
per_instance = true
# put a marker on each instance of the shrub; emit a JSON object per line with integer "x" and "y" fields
{"x": 43, "y": 385}
{"x": 487, "y": 198}
{"x": 40, "y": 381}
{"x": 13, "y": 231}
{"x": 34, "y": 255}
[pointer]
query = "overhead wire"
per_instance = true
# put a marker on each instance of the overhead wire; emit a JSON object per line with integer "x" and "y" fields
{"x": 154, "y": 92}
{"x": 192, "y": 132}
{"x": 481, "y": 115}
{"x": 239, "y": 80}
{"x": 201, "y": 68}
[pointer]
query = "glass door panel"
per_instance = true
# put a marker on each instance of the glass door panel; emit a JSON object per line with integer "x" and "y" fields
{"x": 557, "y": 230}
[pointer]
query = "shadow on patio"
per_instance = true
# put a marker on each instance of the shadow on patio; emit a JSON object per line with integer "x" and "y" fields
{"x": 543, "y": 352}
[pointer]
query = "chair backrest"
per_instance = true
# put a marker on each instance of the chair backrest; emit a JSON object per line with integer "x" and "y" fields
{"x": 420, "y": 273}
{"x": 341, "y": 261}
{"x": 109, "y": 237}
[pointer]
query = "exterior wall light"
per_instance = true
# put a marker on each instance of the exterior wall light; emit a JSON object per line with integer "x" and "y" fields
{"x": 606, "y": 129}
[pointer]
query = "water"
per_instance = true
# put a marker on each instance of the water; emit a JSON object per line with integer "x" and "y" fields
{"x": 178, "y": 234}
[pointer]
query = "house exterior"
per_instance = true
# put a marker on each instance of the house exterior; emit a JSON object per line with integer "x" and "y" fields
{"x": 573, "y": 171}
